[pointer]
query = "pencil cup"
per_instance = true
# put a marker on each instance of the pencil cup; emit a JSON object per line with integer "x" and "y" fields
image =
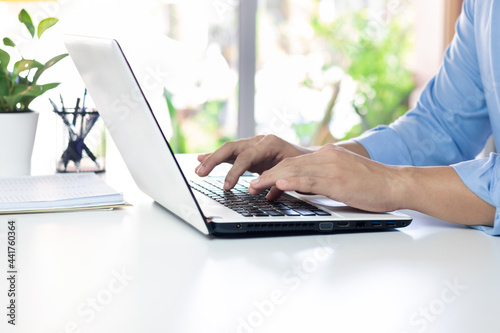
{"x": 81, "y": 141}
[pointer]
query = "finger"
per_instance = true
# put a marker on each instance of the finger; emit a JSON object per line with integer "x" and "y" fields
{"x": 274, "y": 194}
{"x": 290, "y": 167}
{"x": 258, "y": 185}
{"x": 245, "y": 161}
{"x": 260, "y": 151}
{"x": 306, "y": 184}
{"x": 305, "y": 193}
{"x": 226, "y": 153}
{"x": 201, "y": 158}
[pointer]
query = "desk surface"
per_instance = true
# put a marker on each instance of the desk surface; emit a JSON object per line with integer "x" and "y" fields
{"x": 140, "y": 269}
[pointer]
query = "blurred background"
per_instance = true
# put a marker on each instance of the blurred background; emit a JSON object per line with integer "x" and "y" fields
{"x": 310, "y": 71}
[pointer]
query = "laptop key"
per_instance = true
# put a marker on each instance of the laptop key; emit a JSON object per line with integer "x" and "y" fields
{"x": 273, "y": 213}
{"x": 304, "y": 212}
{"x": 321, "y": 213}
{"x": 249, "y": 205}
{"x": 262, "y": 214}
{"x": 288, "y": 212}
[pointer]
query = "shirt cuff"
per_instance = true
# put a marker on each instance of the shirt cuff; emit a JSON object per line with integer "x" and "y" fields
{"x": 493, "y": 231}
{"x": 482, "y": 176}
{"x": 384, "y": 145}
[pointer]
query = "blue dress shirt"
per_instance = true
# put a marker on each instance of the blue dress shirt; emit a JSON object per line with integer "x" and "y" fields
{"x": 457, "y": 112}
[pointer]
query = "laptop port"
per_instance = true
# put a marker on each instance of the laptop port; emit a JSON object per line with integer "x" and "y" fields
{"x": 390, "y": 224}
{"x": 376, "y": 224}
{"x": 325, "y": 226}
{"x": 342, "y": 224}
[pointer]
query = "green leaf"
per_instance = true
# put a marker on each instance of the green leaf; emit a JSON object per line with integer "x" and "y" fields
{"x": 25, "y": 18}
{"x": 12, "y": 101}
{"x": 25, "y": 101}
{"x": 5, "y": 80}
{"x": 45, "y": 24}
{"x": 47, "y": 65}
{"x": 4, "y": 83}
{"x": 8, "y": 42}
{"x": 19, "y": 91}
{"x": 25, "y": 65}
{"x": 4, "y": 59}
{"x": 25, "y": 94}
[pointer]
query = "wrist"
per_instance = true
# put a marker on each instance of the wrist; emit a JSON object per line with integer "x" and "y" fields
{"x": 440, "y": 192}
{"x": 300, "y": 150}
{"x": 406, "y": 187}
{"x": 354, "y": 147}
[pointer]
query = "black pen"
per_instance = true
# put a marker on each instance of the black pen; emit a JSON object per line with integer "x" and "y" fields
{"x": 84, "y": 97}
{"x": 70, "y": 126}
{"x": 75, "y": 113}
{"x": 83, "y": 112}
{"x": 56, "y": 108}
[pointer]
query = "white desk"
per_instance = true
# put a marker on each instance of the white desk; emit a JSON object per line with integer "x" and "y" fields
{"x": 429, "y": 277}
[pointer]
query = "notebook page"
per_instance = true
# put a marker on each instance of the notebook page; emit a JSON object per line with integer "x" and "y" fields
{"x": 59, "y": 187}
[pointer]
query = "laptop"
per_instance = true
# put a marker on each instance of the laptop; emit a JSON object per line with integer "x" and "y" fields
{"x": 201, "y": 202}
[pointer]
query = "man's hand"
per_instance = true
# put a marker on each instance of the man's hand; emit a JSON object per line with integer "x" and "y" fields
{"x": 257, "y": 154}
{"x": 339, "y": 174}
{"x": 360, "y": 182}
{"x": 345, "y": 173}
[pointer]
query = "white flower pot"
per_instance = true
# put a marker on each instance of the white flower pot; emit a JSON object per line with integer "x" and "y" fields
{"x": 17, "y": 138}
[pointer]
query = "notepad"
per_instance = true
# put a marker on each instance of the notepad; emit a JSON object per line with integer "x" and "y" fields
{"x": 56, "y": 192}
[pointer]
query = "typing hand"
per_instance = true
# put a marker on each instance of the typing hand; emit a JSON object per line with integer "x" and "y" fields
{"x": 256, "y": 154}
{"x": 338, "y": 174}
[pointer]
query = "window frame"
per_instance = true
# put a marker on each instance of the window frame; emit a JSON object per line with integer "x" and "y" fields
{"x": 247, "y": 29}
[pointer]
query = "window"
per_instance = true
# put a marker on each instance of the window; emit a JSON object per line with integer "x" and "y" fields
{"x": 311, "y": 71}
{"x": 331, "y": 69}
{"x": 205, "y": 113}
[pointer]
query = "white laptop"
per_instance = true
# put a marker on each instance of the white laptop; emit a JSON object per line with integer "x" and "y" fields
{"x": 201, "y": 202}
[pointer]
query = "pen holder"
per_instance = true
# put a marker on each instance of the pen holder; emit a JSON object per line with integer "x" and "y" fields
{"x": 81, "y": 141}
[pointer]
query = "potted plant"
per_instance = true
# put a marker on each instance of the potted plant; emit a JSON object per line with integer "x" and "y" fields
{"x": 19, "y": 86}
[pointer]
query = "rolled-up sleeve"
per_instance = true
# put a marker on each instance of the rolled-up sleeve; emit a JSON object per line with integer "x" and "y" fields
{"x": 482, "y": 176}
{"x": 449, "y": 124}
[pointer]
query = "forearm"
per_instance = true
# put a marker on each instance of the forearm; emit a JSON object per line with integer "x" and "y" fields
{"x": 354, "y": 147}
{"x": 439, "y": 192}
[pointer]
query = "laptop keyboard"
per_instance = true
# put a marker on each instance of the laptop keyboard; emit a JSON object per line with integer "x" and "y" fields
{"x": 239, "y": 200}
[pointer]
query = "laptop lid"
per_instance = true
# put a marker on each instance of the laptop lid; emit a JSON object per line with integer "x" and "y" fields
{"x": 126, "y": 112}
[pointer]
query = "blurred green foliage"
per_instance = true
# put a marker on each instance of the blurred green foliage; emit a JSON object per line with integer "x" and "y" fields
{"x": 202, "y": 126}
{"x": 374, "y": 54}
{"x": 210, "y": 120}
{"x": 177, "y": 141}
